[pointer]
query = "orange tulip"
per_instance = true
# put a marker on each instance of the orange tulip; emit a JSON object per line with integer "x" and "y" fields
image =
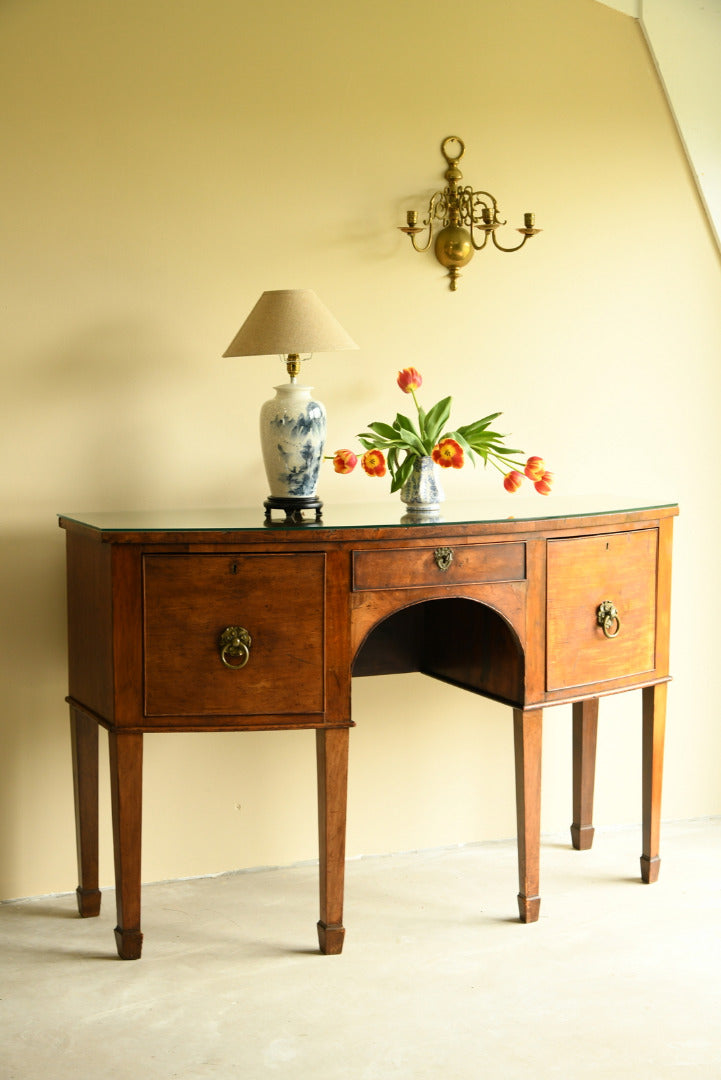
{"x": 374, "y": 463}
{"x": 409, "y": 380}
{"x": 448, "y": 454}
{"x": 544, "y": 485}
{"x": 535, "y": 468}
{"x": 344, "y": 461}
{"x": 512, "y": 481}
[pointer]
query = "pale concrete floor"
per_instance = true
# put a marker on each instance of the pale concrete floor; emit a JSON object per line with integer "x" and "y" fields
{"x": 438, "y": 979}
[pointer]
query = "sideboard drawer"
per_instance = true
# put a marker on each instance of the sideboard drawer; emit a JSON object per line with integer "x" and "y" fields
{"x": 469, "y": 564}
{"x": 583, "y": 572}
{"x": 189, "y": 600}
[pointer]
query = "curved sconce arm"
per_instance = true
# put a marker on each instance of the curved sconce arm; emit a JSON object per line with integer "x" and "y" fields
{"x": 484, "y": 202}
{"x": 483, "y": 216}
{"x": 487, "y": 230}
{"x": 412, "y": 228}
{"x": 527, "y": 231}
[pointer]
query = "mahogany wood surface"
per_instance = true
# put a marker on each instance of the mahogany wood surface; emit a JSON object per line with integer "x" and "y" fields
{"x": 471, "y": 564}
{"x": 126, "y": 796}
{"x": 191, "y": 599}
{"x": 527, "y": 732}
{"x": 505, "y": 609}
{"x": 654, "y": 727}
{"x": 582, "y": 573}
{"x": 332, "y": 758}
{"x": 585, "y": 730}
{"x": 84, "y": 745}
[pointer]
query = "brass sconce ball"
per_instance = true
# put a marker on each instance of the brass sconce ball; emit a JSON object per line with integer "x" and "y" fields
{"x": 453, "y": 247}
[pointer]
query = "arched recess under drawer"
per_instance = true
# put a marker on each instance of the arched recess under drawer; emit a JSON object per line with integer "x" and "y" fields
{"x": 455, "y": 639}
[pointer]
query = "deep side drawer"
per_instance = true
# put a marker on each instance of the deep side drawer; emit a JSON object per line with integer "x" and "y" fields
{"x": 583, "y": 572}
{"x": 189, "y": 600}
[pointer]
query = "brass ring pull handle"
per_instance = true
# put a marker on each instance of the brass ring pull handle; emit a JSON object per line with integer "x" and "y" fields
{"x": 443, "y": 557}
{"x": 607, "y": 618}
{"x": 234, "y": 642}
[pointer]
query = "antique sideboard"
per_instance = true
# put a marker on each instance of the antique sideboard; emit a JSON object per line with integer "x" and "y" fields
{"x": 224, "y": 621}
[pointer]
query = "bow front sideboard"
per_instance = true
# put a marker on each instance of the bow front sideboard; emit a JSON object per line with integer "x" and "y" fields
{"x": 224, "y": 621}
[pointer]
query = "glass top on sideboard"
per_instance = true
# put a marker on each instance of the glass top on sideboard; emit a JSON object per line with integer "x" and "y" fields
{"x": 387, "y": 514}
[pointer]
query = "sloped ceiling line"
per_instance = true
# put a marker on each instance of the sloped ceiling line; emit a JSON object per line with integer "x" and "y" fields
{"x": 684, "y": 40}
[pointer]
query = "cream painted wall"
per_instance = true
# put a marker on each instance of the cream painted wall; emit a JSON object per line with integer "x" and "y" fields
{"x": 163, "y": 163}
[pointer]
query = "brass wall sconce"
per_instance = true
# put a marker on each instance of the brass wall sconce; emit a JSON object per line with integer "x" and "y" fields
{"x": 465, "y": 214}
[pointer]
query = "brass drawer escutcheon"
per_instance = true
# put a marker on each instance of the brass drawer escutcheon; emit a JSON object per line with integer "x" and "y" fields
{"x": 443, "y": 557}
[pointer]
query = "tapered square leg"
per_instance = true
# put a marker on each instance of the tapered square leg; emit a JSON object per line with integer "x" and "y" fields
{"x": 527, "y": 733}
{"x": 332, "y": 760}
{"x": 585, "y": 728}
{"x": 84, "y": 744}
{"x": 654, "y": 729}
{"x": 126, "y": 790}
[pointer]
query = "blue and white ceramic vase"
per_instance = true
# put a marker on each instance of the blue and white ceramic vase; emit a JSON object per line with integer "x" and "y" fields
{"x": 292, "y": 438}
{"x": 422, "y": 492}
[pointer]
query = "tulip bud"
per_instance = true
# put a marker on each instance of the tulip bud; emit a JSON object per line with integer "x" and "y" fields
{"x": 409, "y": 380}
{"x": 544, "y": 485}
{"x": 535, "y": 468}
{"x": 512, "y": 481}
{"x": 344, "y": 461}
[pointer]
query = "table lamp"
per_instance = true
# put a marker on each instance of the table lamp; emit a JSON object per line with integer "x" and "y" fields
{"x": 290, "y": 322}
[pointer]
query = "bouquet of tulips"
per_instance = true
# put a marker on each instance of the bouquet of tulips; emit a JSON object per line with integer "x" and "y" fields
{"x": 394, "y": 448}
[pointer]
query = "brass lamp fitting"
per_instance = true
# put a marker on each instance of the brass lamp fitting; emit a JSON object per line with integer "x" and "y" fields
{"x": 292, "y": 365}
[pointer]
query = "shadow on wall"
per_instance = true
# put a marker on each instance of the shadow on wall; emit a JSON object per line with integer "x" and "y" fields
{"x": 82, "y": 413}
{"x": 110, "y": 416}
{"x": 34, "y": 745}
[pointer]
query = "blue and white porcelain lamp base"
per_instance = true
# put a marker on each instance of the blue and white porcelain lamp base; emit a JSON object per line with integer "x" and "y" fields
{"x": 292, "y": 438}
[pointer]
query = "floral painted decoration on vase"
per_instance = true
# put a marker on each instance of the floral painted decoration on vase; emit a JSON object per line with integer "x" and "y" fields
{"x": 397, "y": 448}
{"x": 292, "y": 433}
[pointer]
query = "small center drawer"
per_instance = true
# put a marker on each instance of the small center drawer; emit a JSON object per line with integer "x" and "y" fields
{"x": 464, "y": 564}
{"x": 189, "y": 600}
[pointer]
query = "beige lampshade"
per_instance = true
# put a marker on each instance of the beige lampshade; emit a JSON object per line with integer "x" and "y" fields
{"x": 289, "y": 321}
